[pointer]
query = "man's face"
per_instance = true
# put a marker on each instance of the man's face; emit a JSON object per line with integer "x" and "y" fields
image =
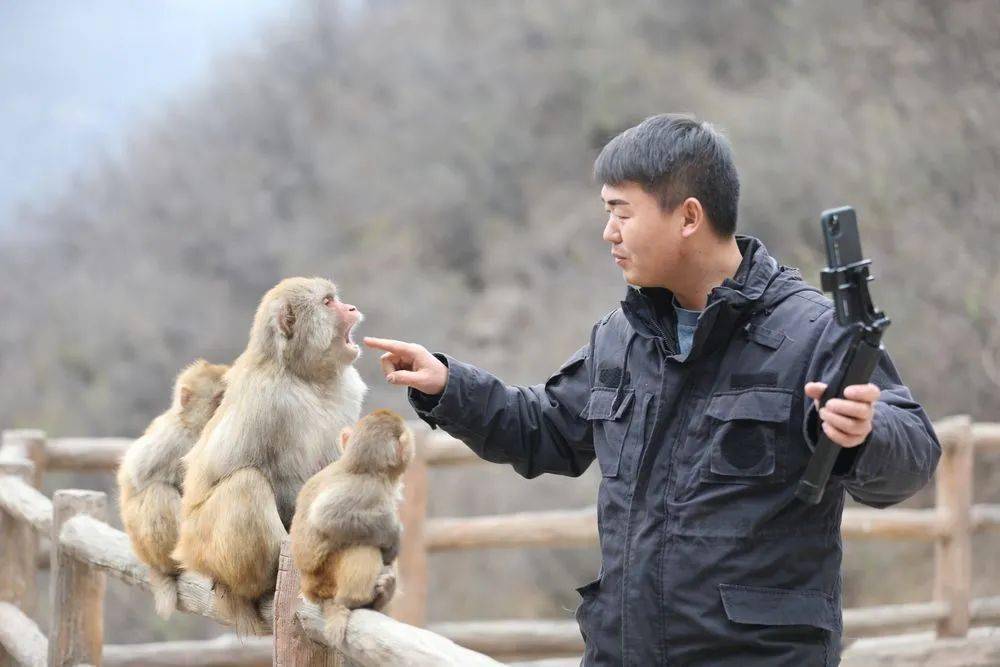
{"x": 644, "y": 239}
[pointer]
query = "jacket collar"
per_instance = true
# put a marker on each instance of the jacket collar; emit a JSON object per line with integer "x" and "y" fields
{"x": 759, "y": 283}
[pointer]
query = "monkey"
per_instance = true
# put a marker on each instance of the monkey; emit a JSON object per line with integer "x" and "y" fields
{"x": 287, "y": 397}
{"x": 150, "y": 475}
{"x": 346, "y": 528}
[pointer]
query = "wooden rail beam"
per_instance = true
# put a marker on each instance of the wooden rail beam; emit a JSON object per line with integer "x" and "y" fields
{"x": 25, "y": 444}
{"x": 18, "y": 540}
{"x": 224, "y": 651}
{"x": 21, "y": 642}
{"x": 526, "y": 529}
{"x": 985, "y": 517}
{"x": 24, "y": 503}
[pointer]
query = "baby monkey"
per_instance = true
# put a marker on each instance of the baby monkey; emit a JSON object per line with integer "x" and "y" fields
{"x": 346, "y": 529}
{"x": 150, "y": 476}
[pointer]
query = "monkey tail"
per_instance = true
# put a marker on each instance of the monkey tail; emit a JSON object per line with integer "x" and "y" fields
{"x": 240, "y": 611}
{"x": 335, "y": 628}
{"x": 164, "y": 592}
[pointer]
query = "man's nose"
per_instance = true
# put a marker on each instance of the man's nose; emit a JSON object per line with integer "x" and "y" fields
{"x": 611, "y": 232}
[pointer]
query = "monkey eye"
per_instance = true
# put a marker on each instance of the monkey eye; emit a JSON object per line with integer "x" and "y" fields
{"x": 327, "y": 300}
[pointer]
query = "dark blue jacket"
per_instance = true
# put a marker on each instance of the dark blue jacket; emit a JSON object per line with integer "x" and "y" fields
{"x": 707, "y": 556}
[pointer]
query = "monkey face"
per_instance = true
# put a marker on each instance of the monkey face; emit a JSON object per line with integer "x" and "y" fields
{"x": 306, "y": 323}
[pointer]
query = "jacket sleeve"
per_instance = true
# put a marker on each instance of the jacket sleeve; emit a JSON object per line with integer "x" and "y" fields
{"x": 536, "y": 429}
{"x": 900, "y": 454}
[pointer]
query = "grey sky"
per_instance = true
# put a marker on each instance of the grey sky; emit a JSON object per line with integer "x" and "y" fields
{"x": 75, "y": 76}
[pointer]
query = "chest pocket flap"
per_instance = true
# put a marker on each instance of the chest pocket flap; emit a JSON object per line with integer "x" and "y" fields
{"x": 759, "y": 404}
{"x": 746, "y": 427}
{"x": 611, "y": 417}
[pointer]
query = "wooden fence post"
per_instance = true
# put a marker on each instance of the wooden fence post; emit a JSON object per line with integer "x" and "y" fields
{"x": 410, "y": 603}
{"x": 292, "y": 648}
{"x": 25, "y": 443}
{"x": 953, "y": 551}
{"x": 76, "y": 628}
{"x": 18, "y": 552}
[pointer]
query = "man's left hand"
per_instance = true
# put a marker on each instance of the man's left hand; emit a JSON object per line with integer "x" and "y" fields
{"x": 847, "y": 421}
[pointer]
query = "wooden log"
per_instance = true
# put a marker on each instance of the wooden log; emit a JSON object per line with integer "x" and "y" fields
{"x": 85, "y": 453}
{"x": 563, "y": 528}
{"x": 986, "y": 610}
{"x": 410, "y": 602}
{"x": 20, "y": 500}
{"x": 953, "y": 552}
{"x": 292, "y": 647}
{"x": 895, "y": 524}
{"x": 224, "y": 651}
{"x": 986, "y": 436}
{"x": 21, "y": 642}
{"x": 515, "y": 639}
{"x": 104, "y": 547}
{"x": 76, "y": 628}
{"x": 864, "y": 620}
{"x": 985, "y": 517}
{"x": 373, "y": 639}
{"x": 25, "y": 444}
{"x": 18, "y": 540}
{"x": 980, "y": 649}
{"x": 442, "y": 450}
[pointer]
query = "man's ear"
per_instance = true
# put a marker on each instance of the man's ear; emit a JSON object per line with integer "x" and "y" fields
{"x": 186, "y": 396}
{"x": 286, "y": 320}
{"x": 693, "y": 216}
{"x": 345, "y": 435}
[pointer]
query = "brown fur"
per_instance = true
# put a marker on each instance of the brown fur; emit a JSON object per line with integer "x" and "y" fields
{"x": 149, "y": 476}
{"x": 345, "y": 534}
{"x": 287, "y": 397}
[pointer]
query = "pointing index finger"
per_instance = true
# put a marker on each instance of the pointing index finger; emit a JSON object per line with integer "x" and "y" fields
{"x": 387, "y": 344}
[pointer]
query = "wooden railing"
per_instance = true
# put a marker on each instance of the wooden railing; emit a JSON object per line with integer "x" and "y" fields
{"x": 84, "y": 549}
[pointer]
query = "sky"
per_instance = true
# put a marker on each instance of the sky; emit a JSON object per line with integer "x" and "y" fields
{"x": 76, "y": 76}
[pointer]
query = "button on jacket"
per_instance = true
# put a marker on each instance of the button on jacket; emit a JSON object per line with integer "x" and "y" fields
{"x": 707, "y": 556}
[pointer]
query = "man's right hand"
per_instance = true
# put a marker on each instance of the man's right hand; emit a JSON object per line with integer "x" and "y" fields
{"x": 410, "y": 365}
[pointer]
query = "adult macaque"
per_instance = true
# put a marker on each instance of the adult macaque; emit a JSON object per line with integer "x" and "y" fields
{"x": 287, "y": 398}
{"x": 150, "y": 475}
{"x": 346, "y": 528}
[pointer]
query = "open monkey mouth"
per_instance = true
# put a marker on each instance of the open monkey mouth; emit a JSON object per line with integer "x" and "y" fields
{"x": 348, "y": 337}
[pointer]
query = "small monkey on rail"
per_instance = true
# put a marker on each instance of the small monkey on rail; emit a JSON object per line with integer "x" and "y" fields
{"x": 150, "y": 475}
{"x": 346, "y": 527}
{"x": 287, "y": 398}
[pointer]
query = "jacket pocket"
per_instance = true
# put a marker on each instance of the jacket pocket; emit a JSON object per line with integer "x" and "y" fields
{"x": 758, "y": 605}
{"x": 610, "y": 412}
{"x": 745, "y": 431}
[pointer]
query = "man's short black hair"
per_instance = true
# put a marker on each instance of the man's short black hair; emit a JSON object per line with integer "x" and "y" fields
{"x": 673, "y": 157}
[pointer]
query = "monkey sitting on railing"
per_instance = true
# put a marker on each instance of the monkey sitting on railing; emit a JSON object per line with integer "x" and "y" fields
{"x": 346, "y": 528}
{"x": 287, "y": 397}
{"x": 150, "y": 476}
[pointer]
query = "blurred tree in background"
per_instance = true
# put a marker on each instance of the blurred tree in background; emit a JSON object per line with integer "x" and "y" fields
{"x": 434, "y": 158}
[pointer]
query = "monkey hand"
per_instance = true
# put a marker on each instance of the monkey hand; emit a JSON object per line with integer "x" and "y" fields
{"x": 385, "y": 587}
{"x": 410, "y": 365}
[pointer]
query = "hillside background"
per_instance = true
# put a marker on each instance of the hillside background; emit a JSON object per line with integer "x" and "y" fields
{"x": 434, "y": 158}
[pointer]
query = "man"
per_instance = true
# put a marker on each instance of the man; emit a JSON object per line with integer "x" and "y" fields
{"x": 693, "y": 397}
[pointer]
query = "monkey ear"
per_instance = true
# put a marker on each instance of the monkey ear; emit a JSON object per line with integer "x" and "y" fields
{"x": 286, "y": 320}
{"x": 186, "y": 395}
{"x": 345, "y": 435}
